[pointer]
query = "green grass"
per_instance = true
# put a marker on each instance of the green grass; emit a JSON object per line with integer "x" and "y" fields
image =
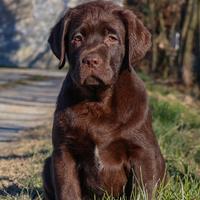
{"x": 177, "y": 127}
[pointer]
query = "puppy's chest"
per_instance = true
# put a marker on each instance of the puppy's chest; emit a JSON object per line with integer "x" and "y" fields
{"x": 113, "y": 154}
{"x": 110, "y": 167}
{"x": 99, "y": 135}
{"x": 88, "y": 119}
{"x": 101, "y": 151}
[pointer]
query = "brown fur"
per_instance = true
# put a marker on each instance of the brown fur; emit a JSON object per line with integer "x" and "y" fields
{"x": 102, "y": 124}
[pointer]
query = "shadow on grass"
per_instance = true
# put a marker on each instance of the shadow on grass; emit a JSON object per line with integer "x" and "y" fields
{"x": 14, "y": 156}
{"x": 24, "y": 156}
{"x": 174, "y": 172}
{"x": 15, "y": 191}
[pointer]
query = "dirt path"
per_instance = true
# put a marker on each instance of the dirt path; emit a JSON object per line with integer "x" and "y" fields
{"x": 27, "y": 100}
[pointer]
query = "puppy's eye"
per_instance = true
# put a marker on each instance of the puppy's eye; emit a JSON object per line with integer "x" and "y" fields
{"x": 111, "y": 39}
{"x": 77, "y": 38}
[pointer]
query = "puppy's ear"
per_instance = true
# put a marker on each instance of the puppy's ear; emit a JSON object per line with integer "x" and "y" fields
{"x": 57, "y": 38}
{"x": 138, "y": 38}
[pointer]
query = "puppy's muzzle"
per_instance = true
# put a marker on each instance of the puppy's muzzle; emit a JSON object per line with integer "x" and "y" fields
{"x": 91, "y": 64}
{"x": 92, "y": 61}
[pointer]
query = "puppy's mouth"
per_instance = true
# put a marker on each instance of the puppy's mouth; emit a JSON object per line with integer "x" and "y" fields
{"x": 94, "y": 84}
{"x": 93, "y": 81}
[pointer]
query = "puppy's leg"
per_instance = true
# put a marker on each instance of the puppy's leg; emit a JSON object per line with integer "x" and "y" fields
{"x": 65, "y": 175}
{"x": 47, "y": 180}
{"x": 129, "y": 185}
{"x": 149, "y": 169}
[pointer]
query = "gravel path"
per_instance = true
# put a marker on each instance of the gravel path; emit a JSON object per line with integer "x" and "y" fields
{"x": 27, "y": 100}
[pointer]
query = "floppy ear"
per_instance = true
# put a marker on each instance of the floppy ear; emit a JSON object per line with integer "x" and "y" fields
{"x": 138, "y": 38}
{"x": 57, "y": 39}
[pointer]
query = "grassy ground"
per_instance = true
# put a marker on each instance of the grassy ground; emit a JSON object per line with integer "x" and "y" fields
{"x": 176, "y": 121}
{"x": 21, "y": 165}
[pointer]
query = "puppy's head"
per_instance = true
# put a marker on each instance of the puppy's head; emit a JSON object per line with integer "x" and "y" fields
{"x": 99, "y": 39}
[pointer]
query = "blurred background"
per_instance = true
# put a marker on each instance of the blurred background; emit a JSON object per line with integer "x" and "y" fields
{"x": 24, "y": 31}
{"x": 174, "y": 24}
{"x": 175, "y": 28}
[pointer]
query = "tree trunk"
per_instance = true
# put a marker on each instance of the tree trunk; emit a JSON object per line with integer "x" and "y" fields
{"x": 187, "y": 20}
{"x": 154, "y": 44}
{"x": 188, "y": 54}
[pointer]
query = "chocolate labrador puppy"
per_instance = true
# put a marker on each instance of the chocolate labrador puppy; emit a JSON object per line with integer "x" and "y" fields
{"x": 102, "y": 124}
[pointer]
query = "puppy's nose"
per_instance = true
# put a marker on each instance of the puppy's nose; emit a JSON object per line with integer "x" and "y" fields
{"x": 92, "y": 60}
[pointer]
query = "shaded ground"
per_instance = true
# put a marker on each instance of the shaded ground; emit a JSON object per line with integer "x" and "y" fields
{"x": 27, "y": 100}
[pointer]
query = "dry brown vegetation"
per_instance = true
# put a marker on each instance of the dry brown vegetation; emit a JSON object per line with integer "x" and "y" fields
{"x": 21, "y": 164}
